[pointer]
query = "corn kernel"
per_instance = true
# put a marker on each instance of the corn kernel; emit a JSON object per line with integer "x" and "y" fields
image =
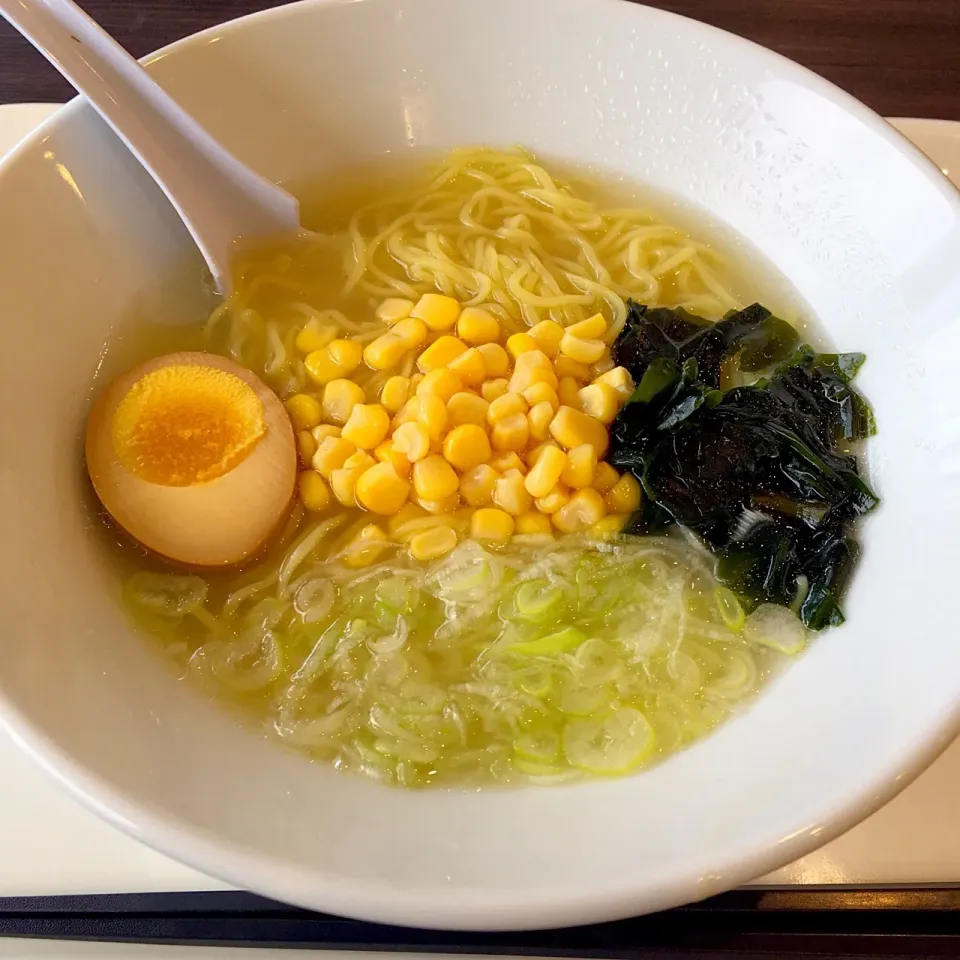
{"x": 533, "y": 522}
{"x": 466, "y": 447}
{"x": 547, "y": 334}
{"x": 442, "y": 383}
{"x": 565, "y": 367}
{"x": 605, "y": 478}
{"x": 395, "y": 393}
{"x": 407, "y": 531}
{"x": 408, "y": 413}
{"x": 555, "y": 500}
{"x": 466, "y": 408}
{"x": 321, "y": 367}
{"x": 407, "y": 514}
{"x": 519, "y": 343}
{"x": 304, "y": 411}
{"x": 381, "y": 490}
{"x": 440, "y": 353}
{"x": 386, "y": 452}
{"x": 443, "y": 505}
{"x": 315, "y": 335}
{"x": 365, "y": 547}
{"x": 343, "y": 483}
{"x": 433, "y": 543}
{"x": 585, "y": 508}
{"x": 600, "y": 401}
{"x": 306, "y": 446}
{"x": 505, "y": 406}
{"x": 367, "y": 426}
{"x": 541, "y": 393}
{"x": 539, "y": 418}
{"x": 415, "y": 379}
{"x": 476, "y": 485}
{"x": 502, "y": 462}
{"x": 534, "y": 357}
{"x": 385, "y": 352}
{"x": 545, "y": 474}
{"x": 339, "y": 399}
{"x": 510, "y": 494}
{"x": 593, "y": 328}
{"x": 411, "y": 331}
{"x": 536, "y": 369}
{"x": 523, "y": 379}
{"x": 496, "y": 359}
{"x": 314, "y": 493}
{"x": 470, "y": 367}
{"x": 491, "y": 390}
{"x": 568, "y": 393}
{"x": 434, "y": 478}
{"x": 436, "y": 311}
{"x": 510, "y": 433}
{"x": 347, "y": 354}
{"x": 582, "y": 351}
{"x": 359, "y": 459}
{"x": 476, "y": 326}
{"x": 331, "y": 455}
{"x": 536, "y": 453}
{"x": 619, "y": 378}
{"x": 581, "y": 466}
{"x": 610, "y": 526}
{"x": 324, "y": 430}
{"x": 433, "y": 415}
{"x": 488, "y": 523}
{"x": 412, "y": 440}
{"x": 570, "y": 428}
{"x": 624, "y": 495}
{"x": 393, "y": 309}
{"x": 602, "y": 366}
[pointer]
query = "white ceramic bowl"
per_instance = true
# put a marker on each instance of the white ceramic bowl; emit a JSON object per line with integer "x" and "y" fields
{"x": 864, "y": 226}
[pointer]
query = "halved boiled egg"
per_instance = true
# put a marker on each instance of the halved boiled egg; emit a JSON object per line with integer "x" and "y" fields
{"x": 193, "y": 456}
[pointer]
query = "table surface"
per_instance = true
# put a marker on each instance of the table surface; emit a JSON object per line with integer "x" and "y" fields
{"x": 901, "y": 57}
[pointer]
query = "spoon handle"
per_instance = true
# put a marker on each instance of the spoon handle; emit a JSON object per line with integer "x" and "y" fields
{"x": 219, "y": 198}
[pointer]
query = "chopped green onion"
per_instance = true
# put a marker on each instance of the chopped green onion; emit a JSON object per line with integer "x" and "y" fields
{"x": 541, "y": 748}
{"x": 612, "y": 745}
{"x": 536, "y": 600}
{"x": 584, "y": 701}
{"x": 420, "y": 698}
{"x": 533, "y": 768}
{"x": 598, "y": 662}
{"x": 777, "y": 627}
{"x": 415, "y": 751}
{"x": 166, "y": 594}
{"x": 531, "y": 663}
{"x": 560, "y": 642}
{"x": 538, "y": 682}
{"x": 398, "y": 594}
{"x": 729, "y": 607}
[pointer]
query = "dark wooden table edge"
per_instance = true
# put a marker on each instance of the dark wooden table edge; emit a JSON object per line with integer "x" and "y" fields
{"x": 826, "y": 922}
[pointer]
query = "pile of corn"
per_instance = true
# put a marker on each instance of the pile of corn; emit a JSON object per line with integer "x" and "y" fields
{"x": 486, "y": 439}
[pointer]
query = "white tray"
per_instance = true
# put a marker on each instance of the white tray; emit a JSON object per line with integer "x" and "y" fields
{"x": 50, "y": 845}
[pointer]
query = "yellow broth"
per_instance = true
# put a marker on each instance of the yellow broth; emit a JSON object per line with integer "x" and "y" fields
{"x": 544, "y": 660}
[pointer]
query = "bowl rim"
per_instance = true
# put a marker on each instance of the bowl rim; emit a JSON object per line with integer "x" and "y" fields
{"x": 462, "y": 908}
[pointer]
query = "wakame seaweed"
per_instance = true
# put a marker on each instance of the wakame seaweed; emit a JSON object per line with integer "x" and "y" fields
{"x": 763, "y": 472}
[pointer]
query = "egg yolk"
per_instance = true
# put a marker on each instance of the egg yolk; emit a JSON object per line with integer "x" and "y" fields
{"x": 182, "y": 425}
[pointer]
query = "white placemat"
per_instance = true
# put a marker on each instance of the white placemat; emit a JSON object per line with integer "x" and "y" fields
{"x": 49, "y": 844}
